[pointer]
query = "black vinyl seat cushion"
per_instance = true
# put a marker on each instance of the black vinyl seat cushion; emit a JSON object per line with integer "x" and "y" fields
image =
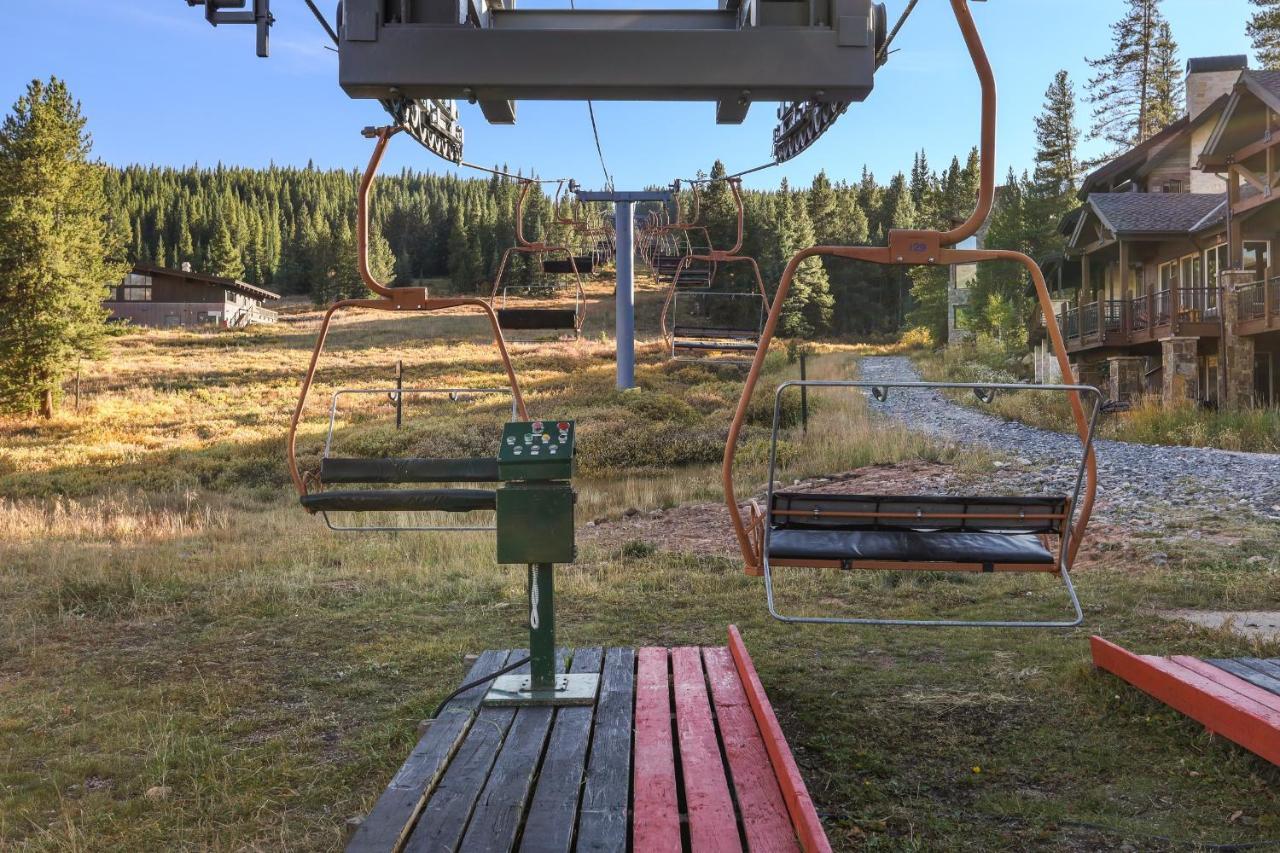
{"x": 401, "y": 500}
{"x": 537, "y": 318}
{"x": 726, "y": 346}
{"x": 908, "y": 546}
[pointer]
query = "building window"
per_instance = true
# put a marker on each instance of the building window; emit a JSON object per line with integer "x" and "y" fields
{"x": 1215, "y": 261}
{"x": 1169, "y": 275}
{"x": 1172, "y": 187}
{"x": 1192, "y": 271}
{"x": 136, "y": 288}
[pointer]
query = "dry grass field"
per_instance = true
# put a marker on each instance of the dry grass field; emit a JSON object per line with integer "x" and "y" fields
{"x": 189, "y": 661}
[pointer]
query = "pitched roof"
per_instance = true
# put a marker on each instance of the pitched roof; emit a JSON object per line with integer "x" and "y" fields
{"x": 1133, "y": 161}
{"x": 1153, "y": 214}
{"x": 230, "y": 283}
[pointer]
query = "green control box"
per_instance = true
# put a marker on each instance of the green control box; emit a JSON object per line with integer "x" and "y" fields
{"x": 536, "y": 450}
{"x": 535, "y": 523}
{"x": 535, "y": 503}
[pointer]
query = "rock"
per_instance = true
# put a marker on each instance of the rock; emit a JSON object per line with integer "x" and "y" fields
{"x": 657, "y": 513}
{"x": 1159, "y": 558}
{"x": 156, "y": 793}
{"x": 630, "y": 512}
{"x": 599, "y": 521}
{"x": 1256, "y": 560}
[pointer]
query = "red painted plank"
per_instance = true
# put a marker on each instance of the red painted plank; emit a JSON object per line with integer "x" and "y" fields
{"x": 1228, "y": 680}
{"x": 1221, "y": 709}
{"x": 804, "y": 817}
{"x": 656, "y": 820}
{"x": 713, "y": 826}
{"x": 764, "y": 812}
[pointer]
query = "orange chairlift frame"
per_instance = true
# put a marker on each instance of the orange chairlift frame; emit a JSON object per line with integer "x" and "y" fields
{"x": 711, "y": 340}
{"x": 579, "y": 228}
{"x": 673, "y": 242}
{"x": 538, "y": 319}
{"x": 906, "y": 520}
{"x": 311, "y": 484}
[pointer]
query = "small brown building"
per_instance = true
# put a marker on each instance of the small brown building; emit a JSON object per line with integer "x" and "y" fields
{"x": 154, "y": 296}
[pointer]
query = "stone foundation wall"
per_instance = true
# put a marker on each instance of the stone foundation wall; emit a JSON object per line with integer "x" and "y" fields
{"x": 1181, "y": 372}
{"x": 1235, "y": 377}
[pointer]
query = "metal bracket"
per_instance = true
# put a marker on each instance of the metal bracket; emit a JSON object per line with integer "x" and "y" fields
{"x": 215, "y": 12}
{"x": 517, "y": 690}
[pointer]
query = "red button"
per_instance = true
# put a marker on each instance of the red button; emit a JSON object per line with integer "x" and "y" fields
{"x": 563, "y": 425}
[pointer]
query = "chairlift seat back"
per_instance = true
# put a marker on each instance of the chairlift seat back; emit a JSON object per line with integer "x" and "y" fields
{"x": 351, "y": 470}
{"x": 537, "y": 318}
{"x": 936, "y": 513}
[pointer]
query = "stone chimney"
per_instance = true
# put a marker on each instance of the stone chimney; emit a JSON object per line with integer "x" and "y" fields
{"x": 1209, "y": 78}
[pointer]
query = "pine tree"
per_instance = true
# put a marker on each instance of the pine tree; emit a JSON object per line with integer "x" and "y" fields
{"x": 1168, "y": 86}
{"x": 1051, "y": 192}
{"x": 822, "y": 210}
{"x": 997, "y": 298}
{"x": 808, "y": 309}
{"x": 1263, "y": 29}
{"x": 225, "y": 260}
{"x": 58, "y": 251}
{"x": 1137, "y": 89}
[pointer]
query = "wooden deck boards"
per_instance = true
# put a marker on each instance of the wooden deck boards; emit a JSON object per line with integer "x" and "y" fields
{"x": 1232, "y": 698}
{"x": 670, "y": 757}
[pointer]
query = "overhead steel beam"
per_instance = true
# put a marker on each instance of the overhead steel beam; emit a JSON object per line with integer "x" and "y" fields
{"x": 733, "y": 56}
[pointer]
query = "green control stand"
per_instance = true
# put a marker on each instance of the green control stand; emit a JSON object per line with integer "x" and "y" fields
{"x": 535, "y": 528}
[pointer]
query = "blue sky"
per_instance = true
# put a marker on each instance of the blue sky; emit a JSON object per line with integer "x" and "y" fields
{"x": 161, "y": 86}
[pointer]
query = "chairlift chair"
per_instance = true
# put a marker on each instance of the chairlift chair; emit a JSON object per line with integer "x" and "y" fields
{"x": 385, "y": 474}
{"x": 552, "y": 260}
{"x": 675, "y": 245}
{"x": 806, "y": 527}
{"x": 724, "y": 325}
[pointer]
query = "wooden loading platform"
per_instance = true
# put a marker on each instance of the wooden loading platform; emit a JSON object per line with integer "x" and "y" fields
{"x": 680, "y": 751}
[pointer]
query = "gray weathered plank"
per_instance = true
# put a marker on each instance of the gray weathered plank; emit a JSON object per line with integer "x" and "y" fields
{"x": 448, "y": 810}
{"x": 549, "y": 825}
{"x": 1266, "y": 666}
{"x": 602, "y": 819}
{"x": 495, "y": 822}
{"x": 393, "y": 815}
{"x": 1245, "y": 670}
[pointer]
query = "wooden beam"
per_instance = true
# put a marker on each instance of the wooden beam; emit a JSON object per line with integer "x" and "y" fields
{"x": 1252, "y": 177}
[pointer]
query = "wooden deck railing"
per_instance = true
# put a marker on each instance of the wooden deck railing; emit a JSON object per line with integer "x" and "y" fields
{"x": 1123, "y": 321}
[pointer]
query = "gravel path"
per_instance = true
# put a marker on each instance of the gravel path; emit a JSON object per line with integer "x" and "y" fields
{"x": 1137, "y": 483}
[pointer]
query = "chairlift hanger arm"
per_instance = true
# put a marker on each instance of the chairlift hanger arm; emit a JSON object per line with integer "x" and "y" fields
{"x": 400, "y": 299}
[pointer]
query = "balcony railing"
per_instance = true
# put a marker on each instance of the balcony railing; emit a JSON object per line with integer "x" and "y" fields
{"x": 1114, "y": 321}
{"x": 1259, "y": 300}
{"x": 1140, "y": 314}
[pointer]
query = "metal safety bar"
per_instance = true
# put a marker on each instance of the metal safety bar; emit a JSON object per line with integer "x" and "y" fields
{"x": 879, "y": 391}
{"x": 453, "y": 394}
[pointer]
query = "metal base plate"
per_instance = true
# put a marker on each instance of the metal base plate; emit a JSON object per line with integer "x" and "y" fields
{"x": 570, "y": 689}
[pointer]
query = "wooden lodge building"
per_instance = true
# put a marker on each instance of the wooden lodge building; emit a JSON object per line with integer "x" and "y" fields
{"x": 1171, "y": 255}
{"x": 154, "y": 296}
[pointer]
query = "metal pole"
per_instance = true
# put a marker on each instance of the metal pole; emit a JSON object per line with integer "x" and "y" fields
{"x": 625, "y": 331}
{"x": 804, "y": 398}
{"x": 542, "y": 627}
{"x": 399, "y": 393}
